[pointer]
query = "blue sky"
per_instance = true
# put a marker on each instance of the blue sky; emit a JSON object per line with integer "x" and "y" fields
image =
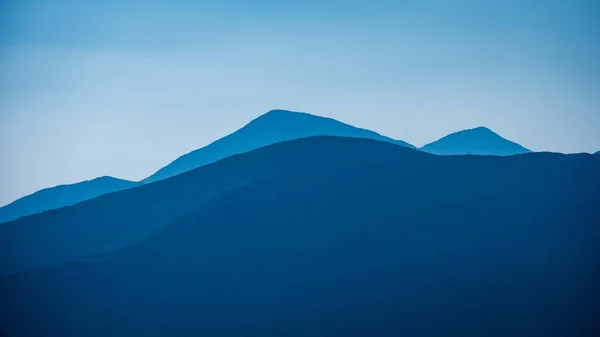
{"x": 121, "y": 88}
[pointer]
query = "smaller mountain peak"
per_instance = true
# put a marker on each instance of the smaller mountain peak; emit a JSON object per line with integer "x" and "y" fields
{"x": 104, "y": 178}
{"x": 280, "y": 115}
{"x": 107, "y": 179}
{"x": 481, "y": 129}
{"x": 280, "y": 112}
{"x": 479, "y": 141}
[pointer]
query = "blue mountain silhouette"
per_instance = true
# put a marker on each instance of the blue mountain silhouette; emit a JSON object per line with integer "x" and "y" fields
{"x": 273, "y": 127}
{"x": 322, "y": 236}
{"x": 61, "y": 196}
{"x": 477, "y": 141}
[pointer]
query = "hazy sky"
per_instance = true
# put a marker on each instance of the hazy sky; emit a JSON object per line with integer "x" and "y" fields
{"x": 121, "y": 88}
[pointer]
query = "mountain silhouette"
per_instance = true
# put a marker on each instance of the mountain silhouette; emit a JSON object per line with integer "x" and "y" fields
{"x": 273, "y": 127}
{"x": 61, "y": 196}
{"x": 323, "y": 236}
{"x": 477, "y": 141}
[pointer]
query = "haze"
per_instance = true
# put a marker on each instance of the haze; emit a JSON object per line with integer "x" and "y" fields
{"x": 122, "y": 88}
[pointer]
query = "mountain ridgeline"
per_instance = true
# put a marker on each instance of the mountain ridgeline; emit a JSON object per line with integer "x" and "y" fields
{"x": 61, "y": 196}
{"x": 321, "y": 236}
{"x": 273, "y": 127}
{"x": 477, "y": 141}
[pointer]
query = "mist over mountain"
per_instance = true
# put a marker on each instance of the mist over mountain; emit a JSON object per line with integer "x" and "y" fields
{"x": 477, "y": 141}
{"x": 321, "y": 236}
{"x": 272, "y": 127}
{"x": 61, "y": 196}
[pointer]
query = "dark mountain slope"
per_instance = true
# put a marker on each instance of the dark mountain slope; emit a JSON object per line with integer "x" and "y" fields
{"x": 478, "y": 141}
{"x": 272, "y": 127}
{"x": 113, "y": 220}
{"x": 346, "y": 237}
{"x": 61, "y": 196}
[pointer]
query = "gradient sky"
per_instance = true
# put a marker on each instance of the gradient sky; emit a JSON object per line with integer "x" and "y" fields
{"x": 121, "y": 88}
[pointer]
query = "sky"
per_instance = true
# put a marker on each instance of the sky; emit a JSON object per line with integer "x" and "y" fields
{"x": 123, "y": 87}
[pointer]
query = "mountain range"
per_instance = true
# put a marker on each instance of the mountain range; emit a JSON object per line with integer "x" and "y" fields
{"x": 318, "y": 236}
{"x": 61, "y": 196}
{"x": 272, "y": 127}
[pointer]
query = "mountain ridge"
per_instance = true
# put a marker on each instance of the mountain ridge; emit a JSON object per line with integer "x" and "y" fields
{"x": 271, "y": 127}
{"x": 62, "y": 196}
{"x": 131, "y": 215}
{"x": 274, "y": 126}
{"x": 476, "y": 141}
{"x": 331, "y": 236}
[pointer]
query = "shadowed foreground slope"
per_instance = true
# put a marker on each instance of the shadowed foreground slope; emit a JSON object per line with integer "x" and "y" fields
{"x": 61, "y": 196}
{"x": 117, "y": 219}
{"x": 342, "y": 237}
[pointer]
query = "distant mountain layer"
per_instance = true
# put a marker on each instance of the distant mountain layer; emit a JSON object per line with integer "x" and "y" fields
{"x": 321, "y": 236}
{"x": 61, "y": 196}
{"x": 272, "y": 127}
{"x": 478, "y": 141}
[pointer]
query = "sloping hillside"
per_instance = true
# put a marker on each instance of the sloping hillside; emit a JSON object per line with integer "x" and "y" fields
{"x": 61, "y": 196}
{"x": 270, "y": 128}
{"x": 332, "y": 236}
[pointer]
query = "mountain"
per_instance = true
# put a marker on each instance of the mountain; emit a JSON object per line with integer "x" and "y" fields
{"x": 477, "y": 141}
{"x": 324, "y": 236}
{"x": 273, "y": 127}
{"x": 270, "y": 128}
{"x": 61, "y": 196}
{"x": 114, "y": 220}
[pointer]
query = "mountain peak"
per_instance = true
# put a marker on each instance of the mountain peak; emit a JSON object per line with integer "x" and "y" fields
{"x": 476, "y": 141}
{"x": 281, "y": 114}
{"x": 105, "y": 179}
{"x": 275, "y": 126}
{"x": 481, "y": 129}
{"x": 475, "y": 132}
